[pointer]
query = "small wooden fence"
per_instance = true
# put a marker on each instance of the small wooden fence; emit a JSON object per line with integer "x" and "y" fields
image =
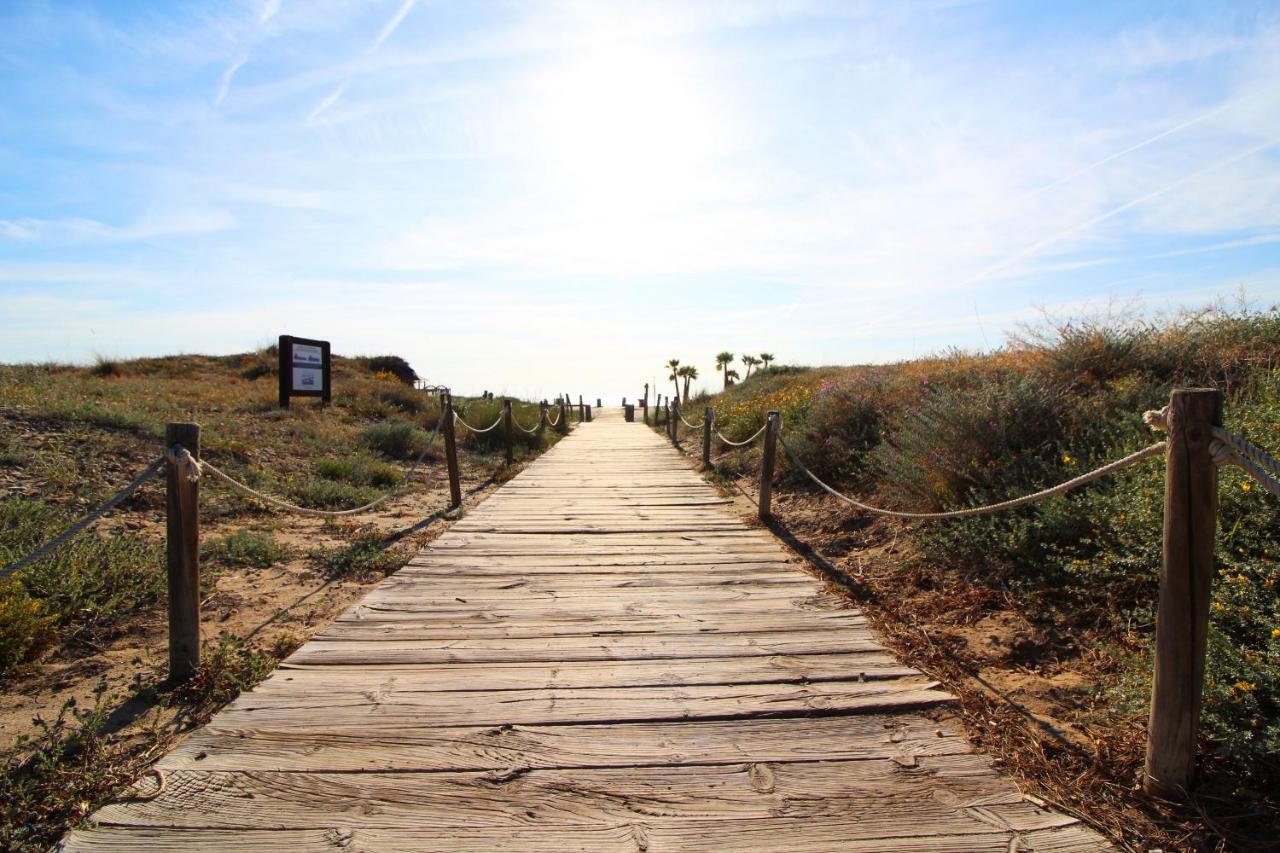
{"x": 1197, "y": 445}
{"x": 183, "y": 469}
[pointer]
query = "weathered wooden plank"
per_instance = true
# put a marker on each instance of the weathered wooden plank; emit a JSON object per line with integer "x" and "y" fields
{"x": 944, "y": 794}
{"x": 369, "y": 624}
{"x": 900, "y": 738}
{"x": 616, "y": 647}
{"x": 745, "y": 836}
{"x": 374, "y": 703}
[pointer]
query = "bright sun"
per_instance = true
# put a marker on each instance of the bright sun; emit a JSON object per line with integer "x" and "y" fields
{"x": 627, "y": 131}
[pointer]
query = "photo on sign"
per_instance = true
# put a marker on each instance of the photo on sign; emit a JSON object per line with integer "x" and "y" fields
{"x": 308, "y": 379}
{"x": 305, "y": 355}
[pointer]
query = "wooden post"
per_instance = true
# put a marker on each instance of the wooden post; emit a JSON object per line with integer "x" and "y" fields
{"x": 766, "y": 464}
{"x": 588, "y": 413}
{"x": 542, "y": 419}
{"x": 182, "y": 555}
{"x": 451, "y": 454}
{"x": 563, "y": 425}
{"x": 582, "y": 409}
{"x": 507, "y": 438}
{"x": 707, "y": 417}
{"x": 1182, "y": 618}
{"x": 674, "y": 428}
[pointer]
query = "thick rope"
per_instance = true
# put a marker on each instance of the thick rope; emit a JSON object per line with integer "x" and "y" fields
{"x": 205, "y": 465}
{"x": 522, "y": 427}
{"x": 555, "y": 422}
{"x": 689, "y": 425}
{"x": 1247, "y": 450}
{"x": 731, "y": 443}
{"x": 489, "y": 428}
{"x": 1061, "y": 488}
{"x": 72, "y": 531}
{"x": 1227, "y": 448}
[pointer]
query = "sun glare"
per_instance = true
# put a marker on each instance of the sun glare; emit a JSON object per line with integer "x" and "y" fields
{"x": 626, "y": 131}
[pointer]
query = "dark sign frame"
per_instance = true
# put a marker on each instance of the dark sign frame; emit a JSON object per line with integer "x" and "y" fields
{"x": 325, "y": 392}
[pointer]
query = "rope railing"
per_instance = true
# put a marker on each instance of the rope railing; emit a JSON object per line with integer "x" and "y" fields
{"x": 529, "y": 430}
{"x": 1060, "y": 489}
{"x": 183, "y": 457}
{"x": 686, "y": 423}
{"x": 457, "y": 417}
{"x": 744, "y": 442}
{"x": 1198, "y": 446}
{"x": 186, "y": 469}
{"x": 78, "y": 527}
{"x": 1227, "y": 448}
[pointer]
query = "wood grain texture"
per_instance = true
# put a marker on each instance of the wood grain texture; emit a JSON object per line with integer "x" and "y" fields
{"x": 602, "y": 656}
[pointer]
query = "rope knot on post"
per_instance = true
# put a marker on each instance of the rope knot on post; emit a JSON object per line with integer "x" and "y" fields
{"x": 188, "y": 466}
{"x": 1157, "y": 419}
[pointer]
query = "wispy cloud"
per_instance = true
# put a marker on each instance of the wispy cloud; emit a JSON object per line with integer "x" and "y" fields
{"x": 155, "y": 224}
{"x": 269, "y": 10}
{"x": 224, "y": 82}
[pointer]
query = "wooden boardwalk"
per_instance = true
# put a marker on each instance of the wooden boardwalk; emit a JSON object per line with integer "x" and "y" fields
{"x": 601, "y": 656}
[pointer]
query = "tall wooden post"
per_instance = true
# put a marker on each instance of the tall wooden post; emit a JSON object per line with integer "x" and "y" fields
{"x": 588, "y": 413}
{"x": 1182, "y": 619}
{"x": 563, "y": 425}
{"x": 451, "y": 453}
{"x": 674, "y": 429}
{"x": 771, "y": 425}
{"x": 507, "y": 437}
{"x": 582, "y": 409}
{"x": 542, "y": 419}
{"x": 707, "y": 418}
{"x": 182, "y": 555}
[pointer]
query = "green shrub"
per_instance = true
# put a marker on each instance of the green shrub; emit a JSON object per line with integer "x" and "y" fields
{"x": 364, "y": 556}
{"x": 973, "y": 442}
{"x": 841, "y": 427}
{"x": 397, "y": 439}
{"x": 320, "y": 493}
{"x": 358, "y": 470}
{"x": 392, "y": 364}
{"x": 105, "y": 367}
{"x": 403, "y": 398}
{"x": 89, "y": 587}
{"x": 247, "y": 548}
{"x": 25, "y": 628}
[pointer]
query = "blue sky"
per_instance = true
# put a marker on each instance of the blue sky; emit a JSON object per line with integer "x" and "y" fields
{"x": 528, "y": 196}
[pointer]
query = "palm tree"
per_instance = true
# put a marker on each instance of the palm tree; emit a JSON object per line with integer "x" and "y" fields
{"x": 730, "y": 376}
{"x": 689, "y": 373}
{"x": 750, "y": 361}
{"x": 723, "y": 360}
{"x": 674, "y": 366}
{"x": 765, "y": 358}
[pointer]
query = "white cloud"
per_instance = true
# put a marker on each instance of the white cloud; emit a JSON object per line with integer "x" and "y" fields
{"x": 154, "y": 224}
{"x": 224, "y": 82}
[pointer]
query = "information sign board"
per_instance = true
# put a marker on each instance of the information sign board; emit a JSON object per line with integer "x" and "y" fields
{"x": 304, "y": 369}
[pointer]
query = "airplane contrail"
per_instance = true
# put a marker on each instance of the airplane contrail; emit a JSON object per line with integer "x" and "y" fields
{"x": 1177, "y": 128}
{"x": 1115, "y": 211}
